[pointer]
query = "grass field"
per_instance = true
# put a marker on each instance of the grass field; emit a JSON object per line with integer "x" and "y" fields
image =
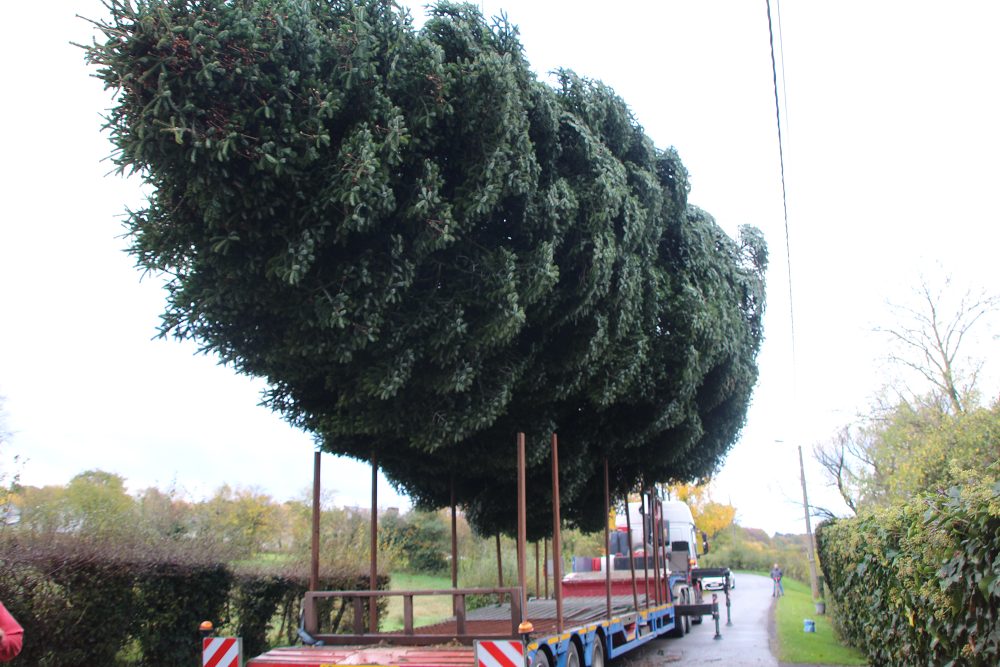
{"x": 425, "y": 609}
{"x": 822, "y": 647}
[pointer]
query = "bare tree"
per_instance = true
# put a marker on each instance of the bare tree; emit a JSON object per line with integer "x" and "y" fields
{"x": 850, "y": 465}
{"x": 929, "y": 337}
{"x": 889, "y": 451}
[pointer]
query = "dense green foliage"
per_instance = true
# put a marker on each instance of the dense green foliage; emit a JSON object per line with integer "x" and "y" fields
{"x": 920, "y": 582}
{"x": 424, "y": 250}
{"x": 87, "y": 602}
{"x": 422, "y": 538}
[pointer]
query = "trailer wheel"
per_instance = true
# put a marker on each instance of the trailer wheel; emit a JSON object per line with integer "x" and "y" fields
{"x": 699, "y": 599}
{"x": 597, "y": 656}
{"x": 573, "y": 655}
{"x": 680, "y": 622}
{"x": 540, "y": 659}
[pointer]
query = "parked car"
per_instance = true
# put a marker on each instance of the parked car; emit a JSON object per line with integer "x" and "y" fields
{"x": 717, "y": 583}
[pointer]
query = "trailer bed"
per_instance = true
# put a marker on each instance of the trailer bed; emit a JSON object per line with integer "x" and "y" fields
{"x": 410, "y": 656}
{"x": 581, "y": 616}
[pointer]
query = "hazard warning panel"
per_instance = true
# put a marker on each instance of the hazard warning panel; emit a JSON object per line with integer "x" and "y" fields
{"x": 221, "y": 652}
{"x": 500, "y": 653}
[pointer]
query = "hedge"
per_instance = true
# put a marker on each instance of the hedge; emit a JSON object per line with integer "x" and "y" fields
{"x": 85, "y": 603}
{"x": 919, "y": 584}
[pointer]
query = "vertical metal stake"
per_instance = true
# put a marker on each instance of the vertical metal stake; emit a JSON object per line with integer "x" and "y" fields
{"x": 499, "y": 564}
{"x": 314, "y": 562}
{"x": 537, "y": 573}
{"x": 500, "y": 597}
{"x": 522, "y": 524}
{"x": 545, "y": 566}
{"x": 607, "y": 539}
{"x": 373, "y": 573}
{"x": 657, "y": 520}
{"x": 631, "y": 558}
{"x": 556, "y": 536}
{"x": 454, "y": 538}
{"x": 645, "y": 540}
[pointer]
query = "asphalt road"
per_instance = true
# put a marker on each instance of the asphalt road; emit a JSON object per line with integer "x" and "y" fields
{"x": 744, "y": 644}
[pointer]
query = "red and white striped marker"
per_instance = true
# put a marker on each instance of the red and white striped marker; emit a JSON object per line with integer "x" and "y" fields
{"x": 503, "y": 653}
{"x": 221, "y": 651}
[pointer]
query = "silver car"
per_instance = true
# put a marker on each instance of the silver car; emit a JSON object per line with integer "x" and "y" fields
{"x": 717, "y": 583}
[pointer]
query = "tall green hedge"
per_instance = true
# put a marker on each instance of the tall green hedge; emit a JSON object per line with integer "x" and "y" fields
{"x": 85, "y": 602}
{"x": 919, "y": 584}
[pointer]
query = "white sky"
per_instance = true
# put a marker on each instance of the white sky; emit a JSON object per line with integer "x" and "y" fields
{"x": 892, "y": 170}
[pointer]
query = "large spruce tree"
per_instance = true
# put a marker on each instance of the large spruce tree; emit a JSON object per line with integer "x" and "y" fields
{"x": 423, "y": 249}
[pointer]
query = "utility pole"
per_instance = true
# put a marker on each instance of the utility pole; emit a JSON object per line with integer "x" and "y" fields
{"x": 809, "y": 533}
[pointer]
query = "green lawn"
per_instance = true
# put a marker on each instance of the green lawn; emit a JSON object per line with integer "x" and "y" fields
{"x": 426, "y": 610}
{"x": 822, "y": 647}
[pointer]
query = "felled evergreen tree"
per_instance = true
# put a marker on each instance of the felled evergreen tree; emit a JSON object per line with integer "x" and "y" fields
{"x": 424, "y": 250}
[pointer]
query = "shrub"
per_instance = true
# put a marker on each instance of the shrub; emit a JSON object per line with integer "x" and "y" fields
{"x": 921, "y": 582}
{"x": 173, "y": 597}
{"x": 265, "y": 604}
{"x": 72, "y": 595}
{"x": 84, "y": 602}
{"x": 422, "y": 537}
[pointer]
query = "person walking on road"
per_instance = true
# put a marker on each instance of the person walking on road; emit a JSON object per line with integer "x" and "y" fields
{"x": 776, "y": 575}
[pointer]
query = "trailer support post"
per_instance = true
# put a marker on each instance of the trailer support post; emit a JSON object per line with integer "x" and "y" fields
{"x": 646, "y": 511}
{"x": 631, "y": 558}
{"x": 454, "y": 538}
{"x": 545, "y": 568}
{"x": 373, "y": 572}
{"x": 607, "y": 539}
{"x": 311, "y": 619}
{"x": 499, "y": 563}
{"x": 715, "y": 615}
{"x": 522, "y": 523}
{"x": 537, "y": 573}
{"x": 499, "y": 571}
{"x": 314, "y": 560}
{"x": 655, "y": 505}
{"x": 556, "y": 536}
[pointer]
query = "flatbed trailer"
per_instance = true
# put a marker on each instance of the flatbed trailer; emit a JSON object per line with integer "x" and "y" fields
{"x": 581, "y": 629}
{"x": 588, "y": 638}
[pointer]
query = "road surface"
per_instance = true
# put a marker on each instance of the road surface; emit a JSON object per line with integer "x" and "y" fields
{"x": 744, "y": 644}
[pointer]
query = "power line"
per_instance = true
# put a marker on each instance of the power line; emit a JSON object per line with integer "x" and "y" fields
{"x": 781, "y": 157}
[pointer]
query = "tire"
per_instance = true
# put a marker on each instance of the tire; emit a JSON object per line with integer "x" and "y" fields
{"x": 681, "y": 624}
{"x": 597, "y": 655}
{"x": 573, "y": 656}
{"x": 540, "y": 659}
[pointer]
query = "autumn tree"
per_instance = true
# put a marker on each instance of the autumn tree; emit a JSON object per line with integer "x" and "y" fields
{"x": 709, "y": 516}
{"x": 243, "y": 519}
{"x": 164, "y": 514}
{"x": 423, "y": 249}
{"x": 94, "y": 503}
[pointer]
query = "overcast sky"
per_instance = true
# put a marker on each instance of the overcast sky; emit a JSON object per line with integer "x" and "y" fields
{"x": 891, "y": 169}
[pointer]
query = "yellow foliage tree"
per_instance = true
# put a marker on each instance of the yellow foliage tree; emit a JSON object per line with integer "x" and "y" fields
{"x": 709, "y": 516}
